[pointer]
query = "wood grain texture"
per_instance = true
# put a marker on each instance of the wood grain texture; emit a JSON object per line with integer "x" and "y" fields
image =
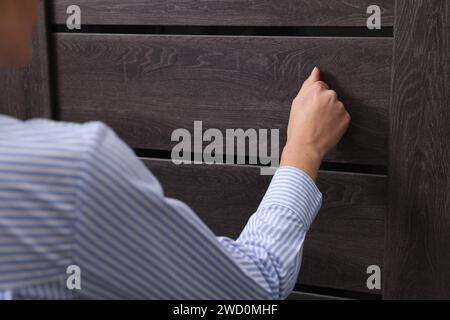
{"x": 225, "y": 12}
{"x": 311, "y": 296}
{"x": 345, "y": 239}
{"x": 25, "y": 92}
{"x": 417, "y": 261}
{"x": 147, "y": 86}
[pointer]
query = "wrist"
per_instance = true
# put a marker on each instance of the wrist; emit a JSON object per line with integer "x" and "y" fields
{"x": 303, "y": 157}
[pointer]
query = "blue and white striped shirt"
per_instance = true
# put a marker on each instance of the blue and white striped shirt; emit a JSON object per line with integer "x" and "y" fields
{"x": 74, "y": 194}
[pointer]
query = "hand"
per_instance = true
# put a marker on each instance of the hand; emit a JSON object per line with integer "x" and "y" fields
{"x": 317, "y": 123}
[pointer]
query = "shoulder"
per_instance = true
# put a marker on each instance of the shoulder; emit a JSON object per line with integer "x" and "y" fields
{"x": 65, "y": 136}
{"x": 92, "y": 148}
{"x": 46, "y": 132}
{"x": 55, "y": 145}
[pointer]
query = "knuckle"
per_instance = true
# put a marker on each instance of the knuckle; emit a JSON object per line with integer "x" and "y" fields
{"x": 347, "y": 117}
{"x": 319, "y": 85}
{"x": 332, "y": 94}
{"x": 323, "y": 85}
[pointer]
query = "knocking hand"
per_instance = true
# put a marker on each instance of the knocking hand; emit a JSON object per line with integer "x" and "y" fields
{"x": 317, "y": 123}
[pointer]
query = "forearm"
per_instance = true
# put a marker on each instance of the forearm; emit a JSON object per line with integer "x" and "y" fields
{"x": 270, "y": 246}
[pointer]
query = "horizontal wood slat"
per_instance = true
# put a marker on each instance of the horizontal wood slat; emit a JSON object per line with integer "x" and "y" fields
{"x": 225, "y": 12}
{"x": 311, "y": 296}
{"x": 147, "y": 86}
{"x": 345, "y": 239}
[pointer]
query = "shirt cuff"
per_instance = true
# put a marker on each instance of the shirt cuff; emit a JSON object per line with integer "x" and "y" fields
{"x": 294, "y": 189}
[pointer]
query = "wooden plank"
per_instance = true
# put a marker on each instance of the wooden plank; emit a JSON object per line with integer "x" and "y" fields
{"x": 147, "y": 86}
{"x": 345, "y": 239}
{"x": 225, "y": 12}
{"x": 418, "y": 225}
{"x": 25, "y": 92}
{"x": 312, "y": 296}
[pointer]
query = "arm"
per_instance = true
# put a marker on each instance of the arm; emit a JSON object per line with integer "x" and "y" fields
{"x": 148, "y": 246}
{"x": 272, "y": 242}
{"x": 134, "y": 243}
{"x": 270, "y": 246}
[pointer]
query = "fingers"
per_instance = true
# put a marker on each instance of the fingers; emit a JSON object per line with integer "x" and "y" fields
{"x": 346, "y": 116}
{"x": 332, "y": 95}
{"x": 315, "y": 75}
{"x": 321, "y": 85}
{"x": 314, "y": 80}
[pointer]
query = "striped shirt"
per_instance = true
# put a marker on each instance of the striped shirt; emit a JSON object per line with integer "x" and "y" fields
{"x": 76, "y": 195}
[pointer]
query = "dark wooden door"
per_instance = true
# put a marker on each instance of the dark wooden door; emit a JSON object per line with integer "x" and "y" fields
{"x": 147, "y": 67}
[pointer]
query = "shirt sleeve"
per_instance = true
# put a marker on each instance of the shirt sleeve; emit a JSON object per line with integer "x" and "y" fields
{"x": 270, "y": 246}
{"x": 132, "y": 242}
